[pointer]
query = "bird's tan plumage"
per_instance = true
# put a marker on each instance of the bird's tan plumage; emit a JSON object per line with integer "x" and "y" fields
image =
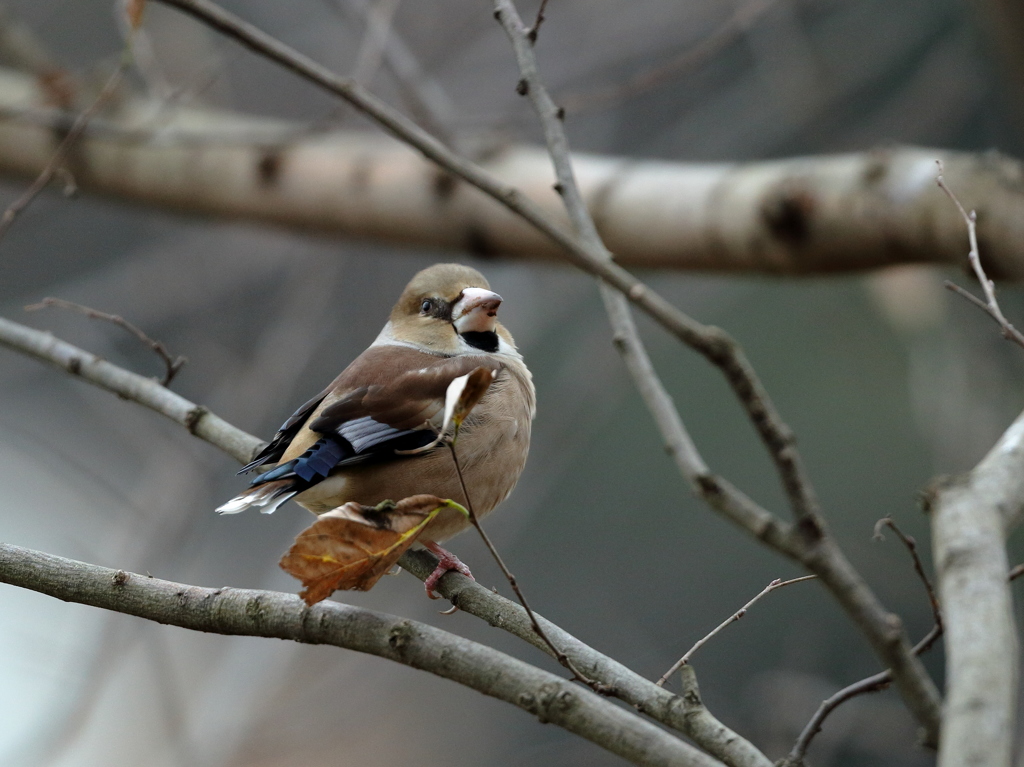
{"x": 394, "y": 393}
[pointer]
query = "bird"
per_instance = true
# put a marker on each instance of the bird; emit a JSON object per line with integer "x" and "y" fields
{"x": 372, "y": 435}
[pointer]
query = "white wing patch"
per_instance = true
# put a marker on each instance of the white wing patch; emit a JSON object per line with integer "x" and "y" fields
{"x": 365, "y": 432}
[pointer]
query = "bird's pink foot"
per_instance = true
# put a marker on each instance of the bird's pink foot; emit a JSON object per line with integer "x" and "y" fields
{"x": 448, "y": 563}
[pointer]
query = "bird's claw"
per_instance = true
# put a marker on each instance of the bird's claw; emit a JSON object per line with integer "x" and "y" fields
{"x": 447, "y": 562}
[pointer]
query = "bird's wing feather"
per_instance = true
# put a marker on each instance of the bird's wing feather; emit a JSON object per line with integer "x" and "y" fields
{"x": 394, "y": 411}
{"x": 277, "y": 446}
{"x": 410, "y": 401}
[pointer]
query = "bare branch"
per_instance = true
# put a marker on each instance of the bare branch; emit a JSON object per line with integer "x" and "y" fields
{"x": 466, "y": 594}
{"x": 627, "y": 685}
{"x": 780, "y": 217}
{"x": 970, "y": 517}
{"x": 146, "y": 391}
{"x": 559, "y": 655}
{"x": 809, "y": 542}
{"x": 531, "y": 33}
{"x": 284, "y": 616}
{"x": 424, "y": 96}
{"x": 705, "y": 729}
{"x": 989, "y": 305}
{"x": 379, "y": 17}
{"x": 778, "y": 583}
{"x": 911, "y": 545}
{"x": 875, "y": 683}
{"x": 883, "y": 679}
{"x": 171, "y": 364}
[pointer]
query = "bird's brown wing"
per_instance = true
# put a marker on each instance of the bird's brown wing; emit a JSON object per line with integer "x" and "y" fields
{"x": 383, "y": 403}
{"x": 375, "y": 414}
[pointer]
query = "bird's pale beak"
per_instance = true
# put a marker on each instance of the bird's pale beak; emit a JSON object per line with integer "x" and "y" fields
{"x": 476, "y": 311}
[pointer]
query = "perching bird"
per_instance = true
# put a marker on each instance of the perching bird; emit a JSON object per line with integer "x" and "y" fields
{"x": 351, "y": 441}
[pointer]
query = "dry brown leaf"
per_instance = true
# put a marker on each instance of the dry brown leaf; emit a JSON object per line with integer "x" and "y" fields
{"x": 352, "y": 546}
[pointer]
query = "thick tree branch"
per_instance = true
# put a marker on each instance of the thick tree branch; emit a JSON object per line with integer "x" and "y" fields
{"x": 970, "y": 518}
{"x": 800, "y": 216}
{"x": 285, "y": 616}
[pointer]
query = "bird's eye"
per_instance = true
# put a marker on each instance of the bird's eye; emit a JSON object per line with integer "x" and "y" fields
{"x": 426, "y": 306}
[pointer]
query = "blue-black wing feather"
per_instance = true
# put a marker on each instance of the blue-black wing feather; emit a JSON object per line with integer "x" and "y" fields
{"x": 279, "y": 444}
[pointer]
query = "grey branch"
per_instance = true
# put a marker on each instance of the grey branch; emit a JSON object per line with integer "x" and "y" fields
{"x": 474, "y": 599}
{"x": 971, "y": 516}
{"x": 172, "y": 365}
{"x": 197, "y": 419}
{"x": 873, "y": 683}
{"x": 809, "y": 541}
{"x": 809, "y": 215}
{"x": 990, "y": 305}
{"x": 778, "y": 583}
{"x": 285, "y": 616}
{"x": 627, "y": 685}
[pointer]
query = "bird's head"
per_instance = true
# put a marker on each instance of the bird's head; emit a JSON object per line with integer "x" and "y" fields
{"x": 450, "y": 309}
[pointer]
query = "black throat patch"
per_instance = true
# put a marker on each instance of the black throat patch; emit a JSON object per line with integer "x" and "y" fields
{"x": 485, "y": 341}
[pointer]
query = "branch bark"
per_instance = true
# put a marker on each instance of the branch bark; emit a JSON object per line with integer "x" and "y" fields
{"x": 647, "y": 698}
{"x": 285, "y": 616}
{"x": 808, "y": 544}
{"x": 809, "y": 215}
{"x": 809, "y": 541}
{"x": 970, "y": 517}
{"x": 657, "y": 703}
{"x": 146, "y": 391}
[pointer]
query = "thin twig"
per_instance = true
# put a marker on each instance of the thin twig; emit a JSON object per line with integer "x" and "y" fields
{"x": 560, "y": 656}
{"x": 1016, "y": 572}
{"x": 778, "y": 583}
{"x": 990, "y": 305}
{"x": 171, "y": 364}
{"x": 881, "y": 680}
{"x": 724, "y": 35}
{"x": 911, "y": 545}
{"x": 874, "y": 683}
{"x": 64, "y": 148}
{"x": 198, "y": 420}
{"x": 531, "y": 33}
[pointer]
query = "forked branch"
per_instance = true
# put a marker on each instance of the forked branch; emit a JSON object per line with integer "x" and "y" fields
{"x": 990, "y": 305}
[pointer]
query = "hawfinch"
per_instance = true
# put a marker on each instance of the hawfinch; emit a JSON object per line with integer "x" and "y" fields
{"x": 362, "y": 438}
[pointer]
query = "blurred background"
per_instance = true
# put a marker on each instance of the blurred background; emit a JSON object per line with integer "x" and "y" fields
{"x": 887, "y": 379}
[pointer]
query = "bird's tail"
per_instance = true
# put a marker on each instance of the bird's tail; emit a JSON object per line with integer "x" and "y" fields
{"x": 267, "y": 496}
